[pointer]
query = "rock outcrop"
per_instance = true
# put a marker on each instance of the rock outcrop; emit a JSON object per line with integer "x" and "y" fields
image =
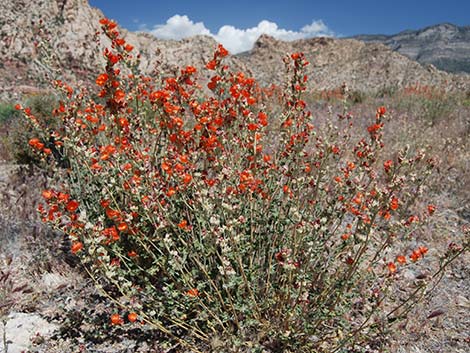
{"x": 44, "y": 39}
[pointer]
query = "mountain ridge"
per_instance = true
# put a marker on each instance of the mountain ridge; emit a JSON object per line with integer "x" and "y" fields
{"x": 444, "y": 45}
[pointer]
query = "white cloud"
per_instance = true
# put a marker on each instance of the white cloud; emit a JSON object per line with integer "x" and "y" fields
{"x": 317, "y": 27}
{"x": 236, "y": 40}
{"x": 179, "y": 27}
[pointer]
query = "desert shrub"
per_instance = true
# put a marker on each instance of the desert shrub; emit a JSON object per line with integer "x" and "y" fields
{"x": 356, "y": 97}
{"x": 429, "y": 103}
{"x": 386, "y": 91}
{"x": 228, "y": 227}
{"x": 42, "y": 105}
{"x": 340, "y": 98}
{"x": 7, "y": 112}
{"x": 15, "y": 134}
{"x": 466, "y": 99}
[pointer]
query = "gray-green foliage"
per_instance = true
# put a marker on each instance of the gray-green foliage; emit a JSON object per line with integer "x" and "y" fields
{"x": 15, "y": 132}
{"x": 7, "y": 112}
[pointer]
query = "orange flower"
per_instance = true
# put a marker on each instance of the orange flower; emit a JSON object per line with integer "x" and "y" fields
{"x": 211, "y": 65}
{"x": 119, "y": 95}
{"x": 252, "y": 127}
{"x": 212, "y": 85}
{"x": 296, "y": 56}
{"x": 128, "y": 47}
{"x": 122, "y": 227}
{"x": 412, "y": 219}
{"x": 104, "y": 203}
{"x": 187, "y": 178}
{"x": 193, "y": 292}
{"x": 210, "y": 182}
{"x": 111, "y": 25}
{"x": 116, "y": 319}
{"x": 127, "y": 166}
{"x": 132, "y": 253}
{"x": 388, "y": 165}
{"x": 120, "y": 41}
{"x": 34, "y": 142}
{"x": 132, "y": 317}
{"x": 415, "y": 255}
{"x": 335, "y": 149}
{"x": 251, "y": 100}
{"x": 431, "y": 209}
{"x": 112, "y": 213}
{"x": 102, "y": 79}
{"x": 92, "y": 119}
{"x": 63, "y": 197}
{"x": 47, "y": 194}
{"x": 262, "y": 118}
{"x": 184, "y": 159}
{"x": 373, "y": 128}
{"x": 392, "y": 268}
{"x": 381, "y": 111}
{"x": 394, "y": 204}
{"x": 358, "y": 199}
{"x": 166, "y": 166}
{"x": 76, "y": 247}
{"x": 183, "y": 224}
{"x": 423, "y": 250}
{"x": 111, "y": 233}
{"x": 179, "y": 167}
{"x": 287, "y": 123}
{"x": 222, "y": 51}
{"x": 123, "y": 122}
{"x": 401, "y": 259}
{"x": 72, "y": 206}
{"x": 190, "y": 70}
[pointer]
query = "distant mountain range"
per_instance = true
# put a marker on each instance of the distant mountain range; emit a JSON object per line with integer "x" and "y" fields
{"x": 446, "y": 46}
{"x": 363, "y": 63}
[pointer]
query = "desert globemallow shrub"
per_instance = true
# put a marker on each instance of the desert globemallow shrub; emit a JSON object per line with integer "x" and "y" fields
{"x": 228, "y": 228}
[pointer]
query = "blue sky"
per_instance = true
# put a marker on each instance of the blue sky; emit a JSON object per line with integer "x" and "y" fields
{"x": 237, "y": 23}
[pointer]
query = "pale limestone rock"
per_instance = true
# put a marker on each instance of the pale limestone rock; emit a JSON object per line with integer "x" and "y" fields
{"x": 21, "y": 327}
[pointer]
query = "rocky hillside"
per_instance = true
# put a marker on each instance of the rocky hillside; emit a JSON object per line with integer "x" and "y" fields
{"x": 74, "y": 53}
{"x": 74, "y": 49}
{"x": 445, "y": 46}
{"x": 362, "y": 66}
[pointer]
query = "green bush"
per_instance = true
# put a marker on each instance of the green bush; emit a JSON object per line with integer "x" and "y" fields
{"x": 8, "y": 115}
{"x": 7, "y": 112}
{"x": 429, "y": 103}
{"x": 17, "y": 132}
